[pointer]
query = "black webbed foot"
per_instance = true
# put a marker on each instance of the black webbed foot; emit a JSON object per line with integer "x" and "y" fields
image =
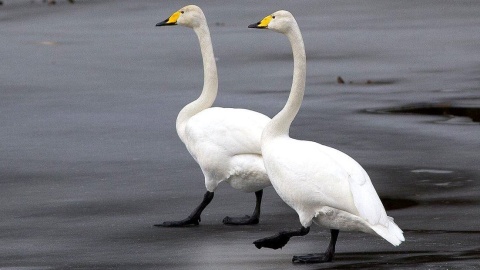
{"x": 320, "y": 257}
{"x": 274, "y": 242}
{"x": 194, "y": 218}
{"x": 280, "y": 239}
{"x": 246, "y": 220}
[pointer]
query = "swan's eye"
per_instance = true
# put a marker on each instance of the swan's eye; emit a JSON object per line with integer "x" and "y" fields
{"x": 182, "y": 11}
{"x": 273, "y": 17}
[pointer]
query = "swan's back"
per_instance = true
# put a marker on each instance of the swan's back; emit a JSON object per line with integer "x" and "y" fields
{"x": 227, "y": 130}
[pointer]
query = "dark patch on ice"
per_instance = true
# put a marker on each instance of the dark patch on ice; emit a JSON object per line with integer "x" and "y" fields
{"x": 402, "y": 203}
{"x": 397, "y": 203}
{"x": 442, "y": 109}
{"x": 340, "y": 80}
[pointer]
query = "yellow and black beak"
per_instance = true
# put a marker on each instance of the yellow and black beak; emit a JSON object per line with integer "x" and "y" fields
{"x": 263, "y": 24}
{"x": 172, "y": 20}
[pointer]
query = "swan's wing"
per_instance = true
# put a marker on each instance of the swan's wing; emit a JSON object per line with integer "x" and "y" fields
{"x": 364, "y": 194}
{"x": 232, "y": 131}
{"x": 332, "y": 178}
{"x": 306, "y": 177}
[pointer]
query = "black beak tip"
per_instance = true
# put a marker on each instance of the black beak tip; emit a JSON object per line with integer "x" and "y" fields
{"x": 164, "y": 23}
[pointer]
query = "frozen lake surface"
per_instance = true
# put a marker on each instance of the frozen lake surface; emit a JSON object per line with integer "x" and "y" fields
{"x": 90, "y": 159}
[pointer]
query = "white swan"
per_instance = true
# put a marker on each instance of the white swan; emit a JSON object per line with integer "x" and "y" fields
{"x": 322, "y": 184}
{"x": 225, "y": 142}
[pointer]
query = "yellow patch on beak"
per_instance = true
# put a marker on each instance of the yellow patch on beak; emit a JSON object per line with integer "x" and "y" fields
{"x": 173, "y": 19}
{"x": 265, "y": 21}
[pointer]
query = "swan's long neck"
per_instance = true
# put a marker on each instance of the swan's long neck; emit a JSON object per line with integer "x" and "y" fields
{"x": 210, "y": 80}
{"x": 280, "y": 124}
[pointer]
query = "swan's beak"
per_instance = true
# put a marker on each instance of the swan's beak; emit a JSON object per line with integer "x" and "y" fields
{"x": 172, "y": 20}
{"x": 263, "y": 24}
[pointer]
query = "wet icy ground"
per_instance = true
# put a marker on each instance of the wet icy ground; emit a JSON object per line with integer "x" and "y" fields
{"x": 90, "y": 158}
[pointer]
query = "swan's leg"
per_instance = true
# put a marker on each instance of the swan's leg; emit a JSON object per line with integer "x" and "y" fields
{"x": 194, "y": 217}
{"x": 280, "y": 239}
{"x": 247, "y": 220}
{"x": 320, "y": 258}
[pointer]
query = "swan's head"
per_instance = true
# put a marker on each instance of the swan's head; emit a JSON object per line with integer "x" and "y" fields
{"x": 190, "y": 16}
{"x": 280, "y": 21}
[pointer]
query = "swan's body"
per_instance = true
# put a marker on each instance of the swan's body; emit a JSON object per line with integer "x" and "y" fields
{"x": 323, "y": 185}
{"x": 331, "y": 188}
{"x": 225, "y": 142}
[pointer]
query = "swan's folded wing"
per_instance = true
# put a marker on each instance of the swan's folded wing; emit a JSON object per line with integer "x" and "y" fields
{"x": 364, "y": 194}
{"x": 365, "y": 198}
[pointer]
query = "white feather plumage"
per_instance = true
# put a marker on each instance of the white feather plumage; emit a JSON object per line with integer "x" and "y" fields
{"x": 322, "y": 184}
{"x": 225, "y": 142}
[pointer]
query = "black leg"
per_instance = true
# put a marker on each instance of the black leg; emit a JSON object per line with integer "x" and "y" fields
{"x": 320, "y": 258}
{"x": 280, "y": 239}
{"x": 247, "y": 220}
{"x": 193, "y": 218}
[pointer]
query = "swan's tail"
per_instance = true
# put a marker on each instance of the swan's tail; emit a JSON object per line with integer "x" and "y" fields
{"x": 392, "y": 233}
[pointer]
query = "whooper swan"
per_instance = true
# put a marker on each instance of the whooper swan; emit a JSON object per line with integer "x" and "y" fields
{"x": 322, "y": 184}
{"x": 225, "y": 142}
